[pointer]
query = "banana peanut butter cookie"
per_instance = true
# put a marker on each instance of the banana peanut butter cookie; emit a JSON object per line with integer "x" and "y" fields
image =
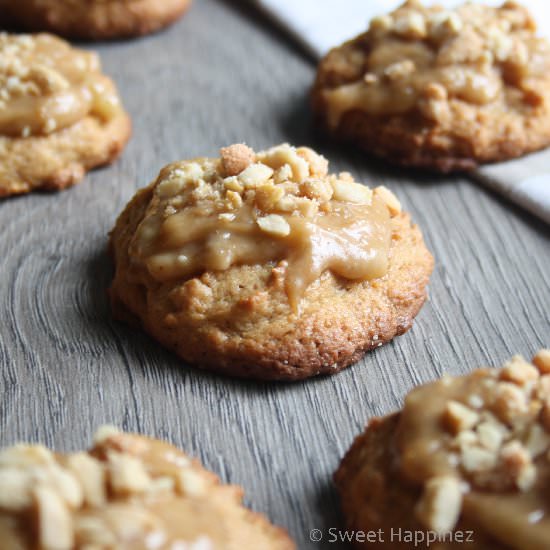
{"x": 127, "y": 493}
{"x": 93, "y": 19}
{"x": 263, "y": 265}
{"x": 439, "y": 89}
{"x": 59, "y": 115}
{"x": 465, "y": 463}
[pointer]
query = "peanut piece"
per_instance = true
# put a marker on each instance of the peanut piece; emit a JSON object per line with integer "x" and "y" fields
{"x": 274, "y": 225}
{"x": 441, "y": 504}
{"x": 190, "y": 483}
{"x": 458, "y": 417}
{"x": 351, "y": 192}
{"x": 55, "y": 530}
{"x": 15, "y": 490}
{"x": 542, "y": 361}
{"x": 392, "y": 202}
{"x": 255, "y": 174}
{"x": 91, "y": 475}
{"x": 518, "y": 371}
{"x": 127, "y": 474}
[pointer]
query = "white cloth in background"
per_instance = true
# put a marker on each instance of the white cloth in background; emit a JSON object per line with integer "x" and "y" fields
{"x": 319, "y": 25}
{"x": 525, "y": 181}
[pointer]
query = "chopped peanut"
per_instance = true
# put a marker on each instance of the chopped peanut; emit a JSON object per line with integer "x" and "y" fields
{"x": 127, "y": 474}
{"x": 275, "y": 225}
{"x": 542, "y": 361}
{"x": 440, "y": 505}
{"x": 520, "y": 372}
{"x": 458, "y": 417}
{"x": 351, "y": 192}
{"x": 255, "y": 174}
{"x": 55, "y": 528}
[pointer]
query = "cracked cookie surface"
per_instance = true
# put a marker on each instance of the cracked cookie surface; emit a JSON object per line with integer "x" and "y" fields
{"x": 440, "y": 89}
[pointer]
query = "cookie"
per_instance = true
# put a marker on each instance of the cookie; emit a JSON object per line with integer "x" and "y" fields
{"x": 59, "y": 115}
{"x": 262, "y": 265}
{"x": 438, "y": 89}
{"x": 465, "y": 463}
{"x": 94, "y": 19}
{"x": 127, "y": 492}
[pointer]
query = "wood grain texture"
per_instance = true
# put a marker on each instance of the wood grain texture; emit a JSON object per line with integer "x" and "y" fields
{"x": 222, "y": 75}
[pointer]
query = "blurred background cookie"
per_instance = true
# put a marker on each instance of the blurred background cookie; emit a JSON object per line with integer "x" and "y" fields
{"x": 466, "y": 461}
{"x": 92, "y": 19}
{"x": 440, "y": 89}
{"x": 59, "y": 115}
{"x": 127, "y": 492}
{"x": 264, "y": 265}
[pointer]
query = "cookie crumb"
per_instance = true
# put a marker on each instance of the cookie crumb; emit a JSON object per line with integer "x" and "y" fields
{"x": 236, "y": 158}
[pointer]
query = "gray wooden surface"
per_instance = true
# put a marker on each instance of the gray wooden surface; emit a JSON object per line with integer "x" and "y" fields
{"x": 222, "y": 75}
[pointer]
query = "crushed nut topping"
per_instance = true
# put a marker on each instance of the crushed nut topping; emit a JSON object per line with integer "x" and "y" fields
{"x": 46, "y": 85}
{"x": 423, "y": 58}
{"x": 459, "y": 453}
{"x": 254, "y": 208}
{"x": 114, "y": 496}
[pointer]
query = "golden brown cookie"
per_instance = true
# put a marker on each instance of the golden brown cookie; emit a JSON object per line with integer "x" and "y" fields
{"x": 439, "y": 89}
{"x": 59, "y": 115}
{"x": 128, "y": 492}
{"x": 263, "y": 265}
{"x": 466, "y": 463}
{"x": 94, "y": 19}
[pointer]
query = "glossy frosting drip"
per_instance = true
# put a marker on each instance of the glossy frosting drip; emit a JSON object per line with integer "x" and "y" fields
{"x": 46, "y": 85}
{"x": 479, "y": 447}
{"x": 420, "y": 58}
{"x": 276, "y": 206}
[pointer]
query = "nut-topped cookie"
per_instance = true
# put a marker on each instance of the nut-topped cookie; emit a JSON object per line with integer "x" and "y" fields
{"x": 127, "y": 492}
{"x": 59, "y": 114}
{"x": 264, "y": 265}
{"x": 93, "y": 19}
{"x": 440, "y": 89}
{"x": 467, "y": 460}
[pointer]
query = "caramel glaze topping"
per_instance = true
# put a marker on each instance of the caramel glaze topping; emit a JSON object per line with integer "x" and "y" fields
{"x": 479, "y": 446}
{"x": 128, "y": 492}
{"x": 275, "y": 206}
{"x": 421, "y": 58}
{"x": 46, "y": 85}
